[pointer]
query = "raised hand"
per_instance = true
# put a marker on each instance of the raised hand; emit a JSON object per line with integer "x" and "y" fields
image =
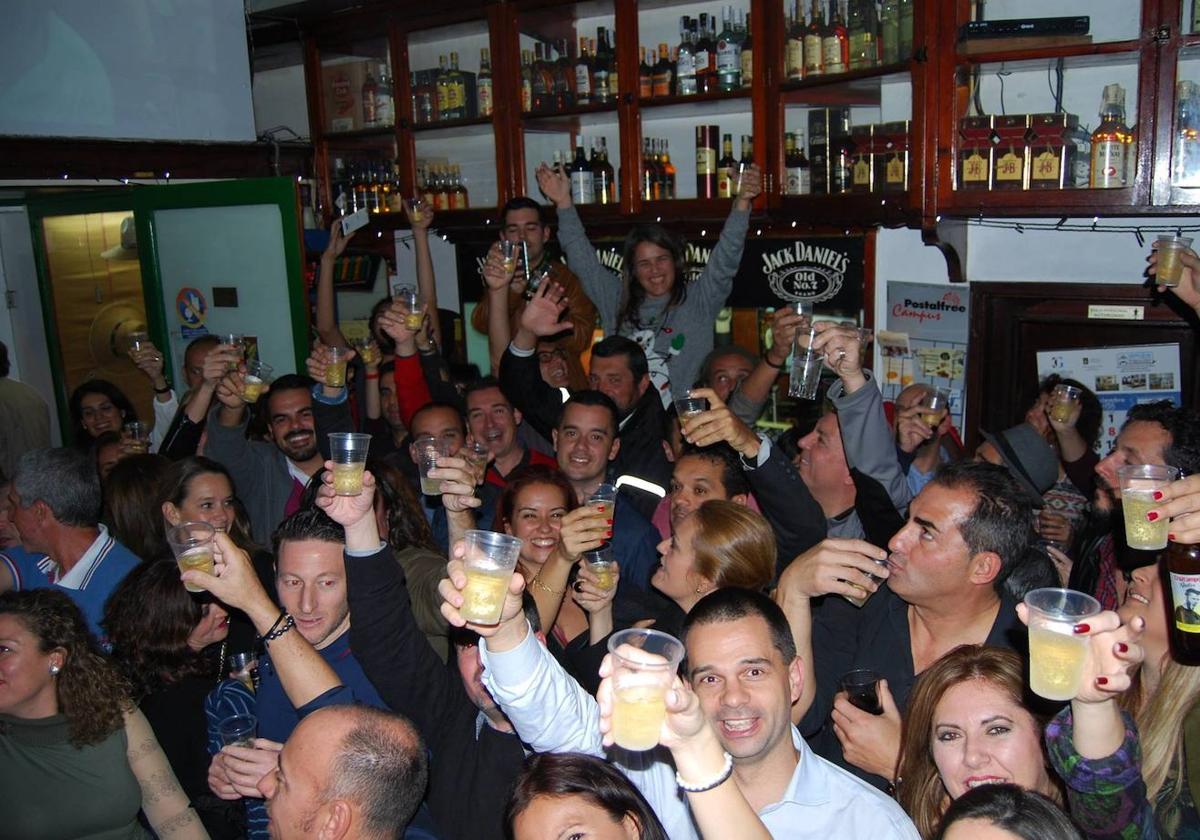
{"x": 346, "y": 511}
{"x": 1180, "y": 500}
{"x": 457, "y": 483}
{"x": 337, "y": 241}
{"x": 835, "y": 566}
{"x": 451, "y": 589}
{"x": 583, "y": 529}
{"x": 233, "y": 581}
{"x": 542, "y": 315}
{"x": 587, "y": 593}
{"x": 749, "y": 186}
{"x": 423, "y": 220}
{"x": 149, "y": 360}
{"x": 495, "y": 277}
{"x": 1188, "y": 289}
{"x": 842, "y": 347}
{"x": 911, "y": 430}
{"x": 717, "y": 424}
{"x": 554, "y": 184}
{"x": 393, "y": 322}
{"x": 1115, "y": 652}
{"x": 784, "y": 324}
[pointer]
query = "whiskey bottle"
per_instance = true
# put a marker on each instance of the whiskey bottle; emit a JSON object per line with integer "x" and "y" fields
{"x": 1110, "y": 141}
{"x": 483, "y": 85}
{"x": 727, "y": 168}
{"x": 814, "y": 62}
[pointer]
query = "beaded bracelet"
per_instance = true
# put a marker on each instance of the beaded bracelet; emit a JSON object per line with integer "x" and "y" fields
{"x": 284, "y": 623}
{"x": 701, "y": 787}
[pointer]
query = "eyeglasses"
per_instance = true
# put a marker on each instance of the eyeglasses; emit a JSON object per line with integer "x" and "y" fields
{"x": 545, "y": 356}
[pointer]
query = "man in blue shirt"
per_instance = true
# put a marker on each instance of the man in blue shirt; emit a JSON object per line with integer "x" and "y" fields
{"x": 55, "y": 501}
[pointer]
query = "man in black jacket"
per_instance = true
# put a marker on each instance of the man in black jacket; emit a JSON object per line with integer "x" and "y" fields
{"x": 475, "y": 754}
{"x": 620, "y": 371}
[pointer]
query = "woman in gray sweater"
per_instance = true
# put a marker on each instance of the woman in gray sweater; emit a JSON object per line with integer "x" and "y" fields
{"x": 654, "y": 303}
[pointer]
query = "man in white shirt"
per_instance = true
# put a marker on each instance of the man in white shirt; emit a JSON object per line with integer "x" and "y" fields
{"x": 742, "y": 663}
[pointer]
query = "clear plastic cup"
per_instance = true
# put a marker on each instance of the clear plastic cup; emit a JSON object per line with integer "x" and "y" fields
{"x": 238, "y": 730}
{"x": 416, "y": 209}
{"x": 192, "y": 545}
{"x": 489, "y": 563}
{"x": 603, "y": 564}
{"x": 604, "y": 496}
{"x": 1169, "y": 270}
{"x": 335, "y": 368}
{"x": 368, "y": 350}
{"x": 1063, "y": 401}
{"x": 862, "y": 690}
{"x": 475, "y": 453}
{"x": 244, "y": 668}
{"x": 348, "y": 451}
{"x": 237, "y": 343}
{"x": 256, "y": 380}
{"x": 935, "y": 407}
{"x": 412, "y": 302}
{"x": 508, "y": 253}
{"x": 429, "y": 449}
{"x": 689, "y": 406}
{"x": 1056, "y": 654}
{"x": 806, "y": 366}
{"x": 644, "y": 663}
{"x": 1138, "y": 483}
{"x": 138, "y": 433}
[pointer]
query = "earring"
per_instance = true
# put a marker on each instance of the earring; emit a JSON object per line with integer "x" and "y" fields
{"x": 54, "y": 669}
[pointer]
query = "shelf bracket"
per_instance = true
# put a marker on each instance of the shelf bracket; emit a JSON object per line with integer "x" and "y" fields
{"x": 950, "y": 237}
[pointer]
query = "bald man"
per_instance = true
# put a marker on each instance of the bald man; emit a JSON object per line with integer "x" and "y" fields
{"x": 347, "y": 773}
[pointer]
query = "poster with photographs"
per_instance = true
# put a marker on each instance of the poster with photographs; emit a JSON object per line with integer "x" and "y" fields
{"x": 1121, "y": 377}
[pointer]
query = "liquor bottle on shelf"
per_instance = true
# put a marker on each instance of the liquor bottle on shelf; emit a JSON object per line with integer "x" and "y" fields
{"x": 614, "y": 84}
{"x": 603, "y": 71}
{"x": 1180, "y": 569}
{"x": 542, "y": 95}
{"x": 526, "y": 82}
{"x": 369, "y": 89}
{"x": 484, "y": 102}
{"x": 747, "y": 54}
{"x": 701, "y": 56}
{"x": 1111, "y": 141}
{"x": 841, "y": 153}
{"x": 745, "y": 163}
{"x": 814, "y": 61}
{"x": 395, "y": 197}
{"x": 442, "y": 83}
{"x": 835, "y": 42}
{"x": 582, "y": 189}
{"x": 667, "y": 170}
{"x": 798, "y": 176}
{"x": 664, "y": 73}
{"x": 459, "y": 197}
{"x": 685, "y": 60}
{"x": 1185, "y": 153}
{"x": 583, "y": 75}
{"x": 729, "y": 54}
{"x": 649, "y": 176}
{"x": 564, "y": 79}
{"x": 339, "y": 187}
{"x": 384, "y": 184}
{"x": 458, "y": 86}
{"x": 385, "y": 110}
{"x": 862, "y": 28}
{"x": 727, "y": 168}
{"x": 794, "y": 60}
{"x": 906, "y": 29}
{"x": 604, "y": 186}
{"x": 706, "y": 161}
{"x": 889, "y": 32}
{"x": 422, "y": 98}
{"x": 426, "y": 185}
{"x": 645, "y": 73}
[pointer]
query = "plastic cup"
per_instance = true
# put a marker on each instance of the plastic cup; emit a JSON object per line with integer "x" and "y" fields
{"x": 192, "y": 545}
{"x": 429, "y": 449}
{"x": 348, "y": 451}
{"x": 1138, "y": 484}
{"x": 1063, "y": 401}
{"x": 862, "y": 690}
{"x": 644, "y": 663}
{"x": 1169, "y": 270}
{"x": 138, "y": 433}
{"x": 604, "y": 496}
{"x": 508, "y": 253}
{"x": 256, "y": 380}
{"x": 138, "y": 340}
{"x": 335, "y": 368}
{"x": 238, "y": 730}
{"x": 490, "y": 560}
{"x": 689, "y": 406}
{"x": 416, "y": 209}
{"x": 475, "y": 453}
{"x": 806, "y": 366}
{"x": 1056, "y": 654}
{"x": 236, "y": 342}
{"x": 935, "y": 407}
{"x": 244, "y": 667}
{"x": 603, "y": 564}
{"x": 368, "y": 351}
{"x": 413, "y": 304}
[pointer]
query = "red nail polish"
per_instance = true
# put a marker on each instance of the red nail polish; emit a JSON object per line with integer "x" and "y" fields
{"x": 609, "y": 521}
{"x": 600, "y": 508}
{"x": 1152, "y": 515}
{"x": 1158, "y": 494}
{"x": 1082, "y": 628}
{"x": 1171, "y": 537}
{"x": 1101, "y": 680}
{"x": 1122, "y": 647}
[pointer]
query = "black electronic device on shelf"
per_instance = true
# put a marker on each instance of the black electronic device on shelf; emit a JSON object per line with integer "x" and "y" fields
{"x": 1050, "y": 27}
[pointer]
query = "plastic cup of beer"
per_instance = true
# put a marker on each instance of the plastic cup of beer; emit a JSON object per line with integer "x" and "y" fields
{"x": 475, "y": 453}
{"x": 138, "y": 433}
{"x": 1063, "y": 401}
{"x": 256, "y": 380}
{"x": 935, "y": 407}
{"x": 508, "y": 253}
{"x": 412, "y": 302}
{"x": 1138, "y": 484}
{"x": 416, "y": 209}
{"x": 1169, "y": 270}
{"x": 1056, "y": 654}
{"x": 238, "y": 731}
{"x": 368, "y": 350}
{"x": 243, "y": 667}
{"x": 192, "y": 545}
{"x": 138, "y": 341}
{"x": 604, "y": 496}
{"x": 429, "y": 449}
{"x": 348, "y": 451}
{"x": 862, "y": 690}
{"x": 490, "y": 560}
{"x": 603, "y": 564}
{"x": 644, "y": 663}
{"x": 235, "y": 342}
{"x": 335, "y": 367}
{"x": 689, "y": 407}
{"x": 805, "y": 380}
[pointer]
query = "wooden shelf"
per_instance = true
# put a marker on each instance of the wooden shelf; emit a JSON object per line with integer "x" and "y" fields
{"x": 385, "y": 131}
{"x": 871, "y": 76}
{"x": 569, "y": 118}
{"x": 658, "y": 102}
{"x": 1075, "y": 51}
{"x": 470, "y": 122}
{"x": 1076, "y": 202}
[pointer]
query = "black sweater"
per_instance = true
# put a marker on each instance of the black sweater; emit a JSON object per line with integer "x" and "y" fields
{"x": 470, "y": 776}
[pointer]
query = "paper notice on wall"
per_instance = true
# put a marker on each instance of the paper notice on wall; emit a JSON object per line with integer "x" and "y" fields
{"x": 1121, "y": 378}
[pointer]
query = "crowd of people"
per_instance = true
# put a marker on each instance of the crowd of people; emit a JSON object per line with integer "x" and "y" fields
{"x": 320, "y": 678}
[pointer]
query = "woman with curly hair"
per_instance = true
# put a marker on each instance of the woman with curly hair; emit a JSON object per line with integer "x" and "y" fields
{"x": 77, "y": 759}
{"x": 167, "y": 645}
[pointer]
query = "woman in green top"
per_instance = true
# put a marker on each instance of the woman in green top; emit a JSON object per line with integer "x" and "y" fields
{"x": 77, "y": 759}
